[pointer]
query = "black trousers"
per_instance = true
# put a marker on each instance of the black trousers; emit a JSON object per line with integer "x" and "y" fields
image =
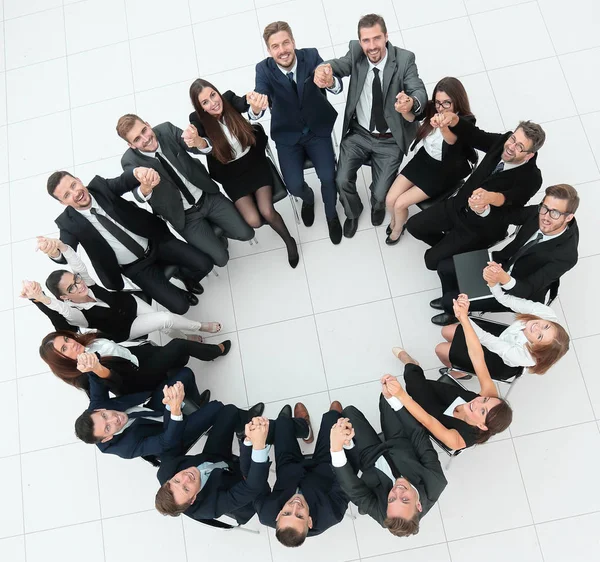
{"x": 448, "y": 233}
{"x": 447, "y": 274}
{"x": 148, "y": 274}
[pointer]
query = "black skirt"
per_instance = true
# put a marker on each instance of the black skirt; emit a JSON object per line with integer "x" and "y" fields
{"x": 429, "y": 174}
{"x": 459, "y": 355}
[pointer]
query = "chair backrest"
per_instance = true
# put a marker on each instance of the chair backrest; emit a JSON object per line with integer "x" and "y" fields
{"x": 553, "y": 292}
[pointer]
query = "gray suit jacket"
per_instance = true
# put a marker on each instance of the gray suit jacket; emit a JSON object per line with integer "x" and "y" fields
{"x": 166, "y": 197}
{"x": 400, "y": 74}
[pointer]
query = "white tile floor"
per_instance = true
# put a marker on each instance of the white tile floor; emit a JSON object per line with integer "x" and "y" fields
{"x": 69, "y": 68}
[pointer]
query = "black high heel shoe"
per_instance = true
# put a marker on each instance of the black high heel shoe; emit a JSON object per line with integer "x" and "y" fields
{"x": 389, "y": 240}
{"x": 388, "y": 230}
{"x": 293, "y": 256}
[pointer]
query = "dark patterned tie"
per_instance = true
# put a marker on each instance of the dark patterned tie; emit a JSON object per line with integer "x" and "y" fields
{"x": 176, "y": 179}
{"x": 377, "y": 118}
{"x": 499, "y": 167}
{"x": 136, "y": 249}
{"x": 523, "y": 249}
{"x": 290, "y": 76}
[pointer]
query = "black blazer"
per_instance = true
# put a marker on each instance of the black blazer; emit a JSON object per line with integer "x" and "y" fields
{"x": 545, "y": 262}
{"x": 166, "y": 197}
{"x": 323, "y": 493}
{"x": 226, "y": 492}
{"x": 517, "y": 185}
{"x": 75, "y": 229}
{"x": 145, "y": 437}
{"x": 411, "y": 457}
{"x": 291, "y": 112}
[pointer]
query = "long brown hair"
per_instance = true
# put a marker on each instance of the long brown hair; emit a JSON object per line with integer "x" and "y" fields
{"x": 239, "y": 127}
{"x": 64, "y": 367}
{"x": 455, "y": 90}
{"x": 546, "y": 355}
{"x": 497, "y": 420}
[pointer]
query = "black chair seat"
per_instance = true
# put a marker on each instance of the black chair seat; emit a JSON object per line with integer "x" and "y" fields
{"x": 441, "y": 197}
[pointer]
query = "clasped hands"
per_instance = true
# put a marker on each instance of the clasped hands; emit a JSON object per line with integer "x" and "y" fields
{"x": 258, "y": 102}
{"x": 493, "y": 274}
{"x": 148, "y": 178}
{"x": 480, "y": 200}
{"x": 341, "y": 434}
{"x": 52, "y": 247}
{"x": 31, "y": 290}
{"x": 460, "y": 306}
{"x": 324, "y": 76}
{"x": 257, "y": 430}
{"x": 404, "y": 103}
{"x": 173, "y": 397}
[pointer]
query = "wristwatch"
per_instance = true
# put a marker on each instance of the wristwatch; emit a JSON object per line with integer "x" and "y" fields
{"x": 416, "y": 108}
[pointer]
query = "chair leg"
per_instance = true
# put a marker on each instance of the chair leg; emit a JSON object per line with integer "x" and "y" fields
{"x": 253, "y": 241}
{"x": 294, "y": 208}
{"x": 450, "y": 459}
{"x": 350, "y": 515}
{"x": 240, "y": 528}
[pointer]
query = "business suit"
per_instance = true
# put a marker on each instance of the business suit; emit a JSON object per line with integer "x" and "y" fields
{"x": 147, "y": 437}
{"x": 358, "y": 145}
{"x": 408, "y": 451}
{"x": 196, "y": 223}
{"x": 226, "y": 492}
{"x": 164, "y": 248}
{"x": 534, "y": 271}
{"x": 450, "y": 227}
{"x": 326, "y": 501}
{"x": 301, "y": 125}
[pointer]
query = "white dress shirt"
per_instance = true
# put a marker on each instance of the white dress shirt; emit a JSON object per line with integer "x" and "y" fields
{"x": 510, "y": 345}
{"x": 432, "y": 144}
{"x": 196, "y": 193}
{"x": 108, "y": 348}
{"x": 236, "y": 145}
{"x": 123, "y": 255}
{"x": 150, "y": 416}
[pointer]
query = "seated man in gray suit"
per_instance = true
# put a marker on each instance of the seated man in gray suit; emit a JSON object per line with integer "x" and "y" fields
{"x": 384, "y": 95}
{"x": 401, "y": 476}
{"x": 186, "y": 196}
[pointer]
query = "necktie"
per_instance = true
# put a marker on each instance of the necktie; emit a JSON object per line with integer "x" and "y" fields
{"x": 290, "y": 76}
{"x": 148, "y": 414}
{"x": 499, "y": 167}
{"x": 119, "y": 234}
{"x": 524, "y": 249}
{"x": 377, "y": 118}
{"x": 176, "y": 179}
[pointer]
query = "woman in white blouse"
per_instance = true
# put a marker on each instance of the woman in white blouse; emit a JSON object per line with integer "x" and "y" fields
{"x": 439, "y": 164}
{"x": 534, "y": 340}
{"x": 236, "y": 156}
{"x": 118, "y": 315}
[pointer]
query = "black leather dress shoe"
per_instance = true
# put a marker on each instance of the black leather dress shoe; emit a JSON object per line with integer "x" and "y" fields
{"x": 444, "y": 319}
{"x": 335, "y": 230}
{"x": 192, "y": 299}
{"x": 246, "y": 416}
{"x": 204, "y": 398}
{"x": 192, "y": 286}
{"x": 308, "y": 214}
{"x": 436, "y": 304}
{"x": 377, "y": 216}
{"x": 350, "y": 227}
{"x": 286, "y": 412}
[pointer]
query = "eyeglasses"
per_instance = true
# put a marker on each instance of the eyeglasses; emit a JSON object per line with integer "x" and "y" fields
{"x": 518, "y": 146}
{"x": 554, "y": 213}
{"x": 73, "y": 286}
{"x": 446, "y": 104}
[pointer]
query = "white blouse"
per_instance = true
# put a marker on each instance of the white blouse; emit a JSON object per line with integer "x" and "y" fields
{"x": 510, "y": 344}
{"x": 233, "y": 141}
{"x": 432, "y": 144}
{"x": 108, "y": 348}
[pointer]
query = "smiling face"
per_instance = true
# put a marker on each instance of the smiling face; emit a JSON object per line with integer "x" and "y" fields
{"x": 185, "y": 485}
{"x": 281, "y": 47}
{"x": 142, "y": 137}
{"x": 72, "y": 193}
{"x": 517, "y": 148}
{"x": 539, "y": 332}
{"x": 211, "y": 102}
{"x": 403, "y": 500}
{"x": 72, "y": 288}
{"x": 107, "y": 423}
{"x": 295, "y": 514}
{"x": 547, "y": 224}
{"x": 373, "y": 40}
{"x": 476, "y": 410}
{"x": 68, "y": 347}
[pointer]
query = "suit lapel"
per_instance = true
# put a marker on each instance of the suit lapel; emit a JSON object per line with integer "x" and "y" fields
{"x": 363, "y": 68}
{"x": 301, "y": 74}
{"x": 389, "y": 70}
{"x": 280, "y": 76}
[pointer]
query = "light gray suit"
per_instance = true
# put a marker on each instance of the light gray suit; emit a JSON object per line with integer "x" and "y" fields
{"x": 358, "y": 146}
{"x": 197, "y": 224}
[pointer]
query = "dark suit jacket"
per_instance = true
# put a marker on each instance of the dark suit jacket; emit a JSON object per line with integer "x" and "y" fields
{"x": 166, "y": 197}
{"x": 544, "y": 263}
{"x": 415, "y": 459}
{"x": 75, "y": 229}
{"x": 291, "y": 113}
{"x": 322, "y": 491}
{"x": 517, "y": 185}
{"x": 144, "y": 437}
{"x": 400, "y": 73}
{"x": 226, "y": 491}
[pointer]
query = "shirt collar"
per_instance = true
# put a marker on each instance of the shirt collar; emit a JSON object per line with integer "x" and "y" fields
{"x": 152, "y": 154}
{"x": 381, "y": 64}
{"x": 88, "y": 211}
{"x": 293, "y": 69}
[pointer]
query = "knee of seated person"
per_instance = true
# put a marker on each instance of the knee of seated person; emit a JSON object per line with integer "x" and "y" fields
{"x": 402, "y": 527}
{"x": 165, "y": 502}
{"x": 292, "y": 534}
{"x": 185, "y": 375}
{"x": 254, "y": 220}
{"x": 179, "y": 306}
{"x": 221, "y": 258}
{"x": 269, "y": 213}
{"x": 440, "y": 349}
{"x": 390, "y": 200}
{"x": 398, "y": 204}
{"x": 430, "y": 262}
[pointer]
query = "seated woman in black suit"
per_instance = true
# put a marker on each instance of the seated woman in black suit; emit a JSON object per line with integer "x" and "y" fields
{"x": 125, "y": 370}
{"x": 236, "y": 156}
{"x": 439, "y": 164}
{"x": 455, "y": 416}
